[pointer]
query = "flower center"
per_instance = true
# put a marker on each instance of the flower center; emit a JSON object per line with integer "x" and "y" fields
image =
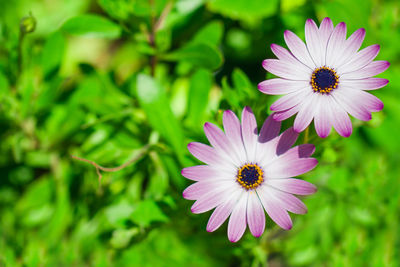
{"x": 250, "y": 176}
{"x": 324, "y": 80}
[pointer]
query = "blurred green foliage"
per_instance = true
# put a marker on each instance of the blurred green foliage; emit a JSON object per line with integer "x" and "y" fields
{"x": 115, "y": 80}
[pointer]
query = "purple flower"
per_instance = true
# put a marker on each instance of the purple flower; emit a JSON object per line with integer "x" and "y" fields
{"x": 247, "y": 172}
{"x": 325, "y": 79}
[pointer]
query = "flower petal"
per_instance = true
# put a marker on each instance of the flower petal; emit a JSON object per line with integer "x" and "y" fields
{"x": 249, "y": 133}
{"x": 285, "y": 114}
{"x": 197, "y": 190}
{"x": 207, "y": 154}
{"x": 237, "y": 221}
{"x": 364, "y": 99}
{"x": 205, "y": 172}
{"x": 287, "y": 201}
{"x": 335, "y": 44}
{"x": 286, "y": 70}
{"x": 298, "y": 49}
{"x": 274, "y": 210}
{"x": 340, "y": 120}
{"x": 322, "y": 118}
{"x": 213, "y": 198}
{"x": 279, "y": 86}
{"x": 220, "y": 142}
{"x": 313, "y": 41}
{"x": 222, "y": 212}
{"x": 286, "y": 141}
{"x": 372, "y": 69}
{"x": 351, "y": 46}
{"x": 269, "y": 130}
{"x": 292, "y": 99}
{"x": 284, "y": 167}
{"x": 255, "y": 214}
{"x": 350, "y": 102}
{"x": 306, "y": 113}
{"x": 365, "y": 84}
{"x": 325, "y": 31}
{"x": 234, "y": 132}
{"x": 360, "y": 59}
{"x": 293, "y": 186}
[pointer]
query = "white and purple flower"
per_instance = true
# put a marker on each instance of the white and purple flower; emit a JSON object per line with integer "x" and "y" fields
{"x": 325, "y": 79}
{"x": 247, "y": 173}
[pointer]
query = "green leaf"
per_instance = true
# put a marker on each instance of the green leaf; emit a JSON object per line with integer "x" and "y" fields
{"x": 200, "y": 86}
{"x": 211, "y": 33}
{"x": 53, "y": 53}
{"x": 158, "y": 183}
{"x": 117, "y": 214}
{"x": 147, "y": 212}
{"x": 92, "y": 25}
{"x": 244, "y": 9}
{"x": 121, "y": 237}
{"x": 4, "y": 85}
{"x": 153, "y": 100}
{"x": 198, "y": 54}
{"x": 242, "y": 83}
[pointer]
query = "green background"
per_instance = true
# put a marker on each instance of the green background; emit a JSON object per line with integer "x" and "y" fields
{"x": 123, "y": 80}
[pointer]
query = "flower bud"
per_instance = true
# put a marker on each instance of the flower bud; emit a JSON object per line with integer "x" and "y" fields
{"x": 27, "y": 24}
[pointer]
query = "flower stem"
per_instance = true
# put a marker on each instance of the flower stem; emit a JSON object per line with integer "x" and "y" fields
{"x": 306, "y": 135}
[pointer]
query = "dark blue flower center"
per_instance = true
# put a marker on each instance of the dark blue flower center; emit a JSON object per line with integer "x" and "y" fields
{"x": 324, "y": 80}
{"x": 250, "y": 176}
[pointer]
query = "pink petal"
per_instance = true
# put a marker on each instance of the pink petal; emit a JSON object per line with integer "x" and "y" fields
{"x": 237, "y": 221}
{"x": 306, "y": 113}
{"x": 360, "y": 59}
{"x": 255, "y": 214}
{"x": 220, "y": 142}
{"x": 341, "y": 121}
{"x": 284, "y": 55}
{"x": 297, "y": 152}
{"x": 197, "y": 190}
{"x": 290, "y": 100}
{"x": 286, "y": 141}
{"x": 274, "y": 210}
{"x": 284, "y": 167}
{"x": 336, "y": 43}
{"x": 351, "y": 46}
{"x": 283, "y": 115}
{"x": 304, "y": 150}
{"x": 367, "y": 100}
{"x": 269, "y": 130}
{"x": 293, "y": 186}
{"x": 313, "y": 41}
{"x": 298, "y": 49}
{"x": 286, "y": 70}
{"x": 203, "y": 172}
{"x": 279, "y": 86}
{"x": 365, "y": 84}
{"x": 233, "y": 131}
{"x": 269, "y": 151}
{"x": 212, "y": 199}
{"x": 222, "y": 212}
{"x": 372, "y": 69}
{"x": 325, "y": 31}
{"x": 350, "y": 102}
{"x": 322, "y": 120}
{"x": 204, "y": 153}
{"x": 249, "y": 132}
{"x": 287, "y": 201}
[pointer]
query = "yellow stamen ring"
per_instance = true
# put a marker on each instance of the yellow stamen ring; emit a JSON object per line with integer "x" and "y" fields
{"x": 250, "y": 176}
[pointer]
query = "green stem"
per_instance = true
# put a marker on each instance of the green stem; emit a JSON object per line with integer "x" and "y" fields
{"x": 20, "y": 42}
{"x": 306, "y": 135}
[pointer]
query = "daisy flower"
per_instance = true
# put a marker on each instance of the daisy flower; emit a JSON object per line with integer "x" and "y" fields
{"x": 247, "y": 173}
{"x": 324, "y": 79}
